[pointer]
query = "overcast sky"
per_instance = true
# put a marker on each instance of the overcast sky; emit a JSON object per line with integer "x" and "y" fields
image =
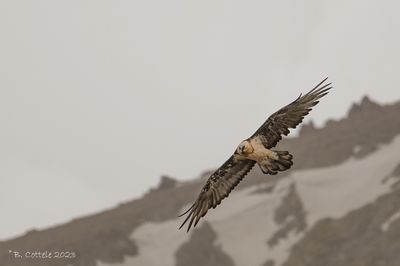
{"x": 100, "y": 98}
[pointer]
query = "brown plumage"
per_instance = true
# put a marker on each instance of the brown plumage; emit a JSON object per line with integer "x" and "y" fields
{"x": 256, "y": 149}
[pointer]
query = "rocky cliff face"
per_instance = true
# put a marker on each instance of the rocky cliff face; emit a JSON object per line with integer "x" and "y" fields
{"x": 339, "y": 205}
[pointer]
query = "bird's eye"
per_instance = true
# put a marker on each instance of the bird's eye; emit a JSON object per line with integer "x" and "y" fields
{"x": 241, "y": 148}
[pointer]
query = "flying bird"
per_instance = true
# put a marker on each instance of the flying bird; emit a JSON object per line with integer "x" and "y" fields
{"x": 255, "y": 150}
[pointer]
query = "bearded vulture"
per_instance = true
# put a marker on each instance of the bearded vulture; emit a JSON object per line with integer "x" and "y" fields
{"x": 256, "y": 149}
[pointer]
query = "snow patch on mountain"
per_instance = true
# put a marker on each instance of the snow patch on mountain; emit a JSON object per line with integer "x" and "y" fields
{"x": 331, "y": 192}
{"x": 385, "y": 226}
{"x": 162, "y": 239}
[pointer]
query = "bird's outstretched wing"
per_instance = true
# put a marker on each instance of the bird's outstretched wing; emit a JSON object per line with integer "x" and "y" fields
{"x": 218, "y": 187}
{"x": 290, "y": 116}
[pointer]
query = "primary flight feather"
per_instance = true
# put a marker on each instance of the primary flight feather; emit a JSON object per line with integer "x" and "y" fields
{"x": 256, "y": 149}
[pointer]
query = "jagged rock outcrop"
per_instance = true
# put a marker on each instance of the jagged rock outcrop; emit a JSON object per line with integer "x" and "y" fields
{"x": 201, "y": 250}
{"x": 290, "y": 214}
{"x": 358, "y": 239}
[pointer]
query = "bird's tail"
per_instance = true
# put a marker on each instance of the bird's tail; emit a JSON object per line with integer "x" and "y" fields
{"x": 282, "y": 162}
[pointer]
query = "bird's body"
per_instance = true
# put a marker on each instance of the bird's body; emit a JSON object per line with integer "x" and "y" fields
{"x": 255, "y": 150}
{"x": 270, "y": 161}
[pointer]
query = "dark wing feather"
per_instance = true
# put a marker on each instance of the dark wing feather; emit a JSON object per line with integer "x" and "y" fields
{"x": 218, "y": 187}
{"x": 290, "y": 116}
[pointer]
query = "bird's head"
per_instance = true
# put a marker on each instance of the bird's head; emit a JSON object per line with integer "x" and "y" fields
{"x": 244, "y": 148}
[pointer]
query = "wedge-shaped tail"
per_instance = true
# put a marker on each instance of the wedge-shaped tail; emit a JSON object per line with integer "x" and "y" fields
{"x": 282, "y": 163}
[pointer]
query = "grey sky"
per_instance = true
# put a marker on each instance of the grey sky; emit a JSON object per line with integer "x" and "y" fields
{"x": 99, "y": 98}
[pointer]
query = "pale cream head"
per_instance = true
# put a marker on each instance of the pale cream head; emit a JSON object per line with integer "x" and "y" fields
{"x": 244, "y": 148}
